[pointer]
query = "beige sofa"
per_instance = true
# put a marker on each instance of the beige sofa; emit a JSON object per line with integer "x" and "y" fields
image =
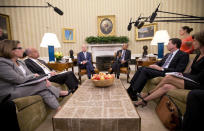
{"x": 179, "y": 96}
{"x": 32, "y": 111}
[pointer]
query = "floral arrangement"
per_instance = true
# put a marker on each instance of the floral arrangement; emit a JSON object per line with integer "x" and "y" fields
{"x": 58, "y": 55}
{"x": 106, "y": 39}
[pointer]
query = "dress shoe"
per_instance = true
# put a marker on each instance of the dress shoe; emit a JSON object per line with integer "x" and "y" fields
{"x": 132, "y": 95}
{"x": 134, "y": 98}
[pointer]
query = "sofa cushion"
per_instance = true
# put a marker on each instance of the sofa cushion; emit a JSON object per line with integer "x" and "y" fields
{"x": 179, "y": 94}
{"x": 32, "y": 116}
{"x": 156, "y": 80}
{"x": 24, "y": 102}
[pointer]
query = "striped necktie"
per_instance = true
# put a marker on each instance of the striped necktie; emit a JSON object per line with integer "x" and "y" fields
{"x": 42, "y": 65}
{"x": 123, "y": 55}
{"x": 167, "y": 60}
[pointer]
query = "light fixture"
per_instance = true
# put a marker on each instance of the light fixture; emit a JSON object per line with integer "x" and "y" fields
{"x": 57, "y": 10}
{"x": 50, "y": 41}
{"x": 183, "y": 18}
{"x": 160, "y": 38}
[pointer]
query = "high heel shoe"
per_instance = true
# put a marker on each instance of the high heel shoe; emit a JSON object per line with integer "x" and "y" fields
{"x": 143, "y": 95}
{"x": 143, "y": 102}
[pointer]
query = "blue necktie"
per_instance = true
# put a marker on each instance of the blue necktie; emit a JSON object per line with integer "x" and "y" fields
{"x": 123, "y": 55}
{"x": 167, "y": 60}
{"x": 84, "y": 55}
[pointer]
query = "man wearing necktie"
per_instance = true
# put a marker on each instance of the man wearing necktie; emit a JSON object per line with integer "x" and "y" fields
{"x": 175, "y": 61}
{"x": 38, "y": 66}
{"x": 121, "y": 60}
{"x": 84, "y": 60}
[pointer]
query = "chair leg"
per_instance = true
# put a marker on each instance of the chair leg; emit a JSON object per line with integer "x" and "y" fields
{"x": 79, "y": 78}
{"x": 128, "y": 77}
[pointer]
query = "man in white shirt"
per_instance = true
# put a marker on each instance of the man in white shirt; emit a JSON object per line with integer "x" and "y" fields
{"x": 175, "y": 61}
{"x": 40, "y": 67}
{"x": 84, "y": 60}
{"x": 122, "y": 58}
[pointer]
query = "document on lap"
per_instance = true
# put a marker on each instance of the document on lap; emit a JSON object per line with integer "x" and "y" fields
{"x": 62, "y": 72}
{"x": 34, "y": 80}
{"x": 177, "y": 74}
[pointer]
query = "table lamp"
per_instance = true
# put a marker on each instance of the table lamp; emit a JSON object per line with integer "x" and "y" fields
{"x": 160, "y": 38}
{"x": 50, "y": 41}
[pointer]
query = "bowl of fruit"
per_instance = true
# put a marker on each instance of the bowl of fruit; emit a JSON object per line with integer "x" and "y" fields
{"x": 102, "y": 79}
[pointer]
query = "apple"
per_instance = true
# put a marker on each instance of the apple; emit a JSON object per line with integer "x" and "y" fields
{"x": 98, "y": 78}
{"x": 102, "y": 78}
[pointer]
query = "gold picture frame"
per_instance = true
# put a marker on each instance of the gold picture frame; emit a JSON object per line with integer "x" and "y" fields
{"x": 68, "y": 35}
{"x": 106, "y": 25}
{"x": 146, "y": 32}
{"x": 5, "y": 27}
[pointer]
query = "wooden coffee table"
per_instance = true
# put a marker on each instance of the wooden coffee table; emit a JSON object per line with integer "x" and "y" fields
{"x": 98, "y": 109}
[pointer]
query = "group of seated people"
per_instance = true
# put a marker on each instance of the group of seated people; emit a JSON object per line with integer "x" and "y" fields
{"x": 14, "y": 72}
{"x": 175, "y": 61}
{"x": 122, "y": 58}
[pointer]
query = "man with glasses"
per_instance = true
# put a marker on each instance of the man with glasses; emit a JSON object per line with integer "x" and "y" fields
{"x": 40, "y": 67}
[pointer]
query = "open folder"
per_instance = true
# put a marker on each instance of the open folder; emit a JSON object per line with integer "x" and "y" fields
{"x": 34, "y": 80}
{"x": 177, "y": 74}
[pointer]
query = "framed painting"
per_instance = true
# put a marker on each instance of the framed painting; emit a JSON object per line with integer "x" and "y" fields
{"x": 68, "y": 35}
{"x": 5, "y": 30}
{"x": 146, "y": 32}
{"x": 106, "y": 25}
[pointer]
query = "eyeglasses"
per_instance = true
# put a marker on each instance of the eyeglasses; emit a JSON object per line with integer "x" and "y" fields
{"x": 20, "y": 48}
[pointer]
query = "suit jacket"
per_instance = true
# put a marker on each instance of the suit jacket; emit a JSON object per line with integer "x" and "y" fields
{"x": 127, "y": 55}
{"x": 11, "y": 75}
{"x": 81, "y": 57}
{"x": 178, "y": 63}
{"x": 34, "y": 67}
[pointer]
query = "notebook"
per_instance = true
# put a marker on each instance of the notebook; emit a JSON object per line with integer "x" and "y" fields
{"x": 177, "y": 74}
{"x": 34, "y": 80}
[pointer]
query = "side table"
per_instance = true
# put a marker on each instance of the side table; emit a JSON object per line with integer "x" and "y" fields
{"x": 144, "y": 63}
{"x": 61, "y": 66}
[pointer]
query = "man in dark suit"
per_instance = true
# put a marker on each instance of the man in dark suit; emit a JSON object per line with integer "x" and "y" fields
{"x": 121, "y": 60}
{"x": 175, "y": 61}
{"x": 84, "y": 60}
{"x": 38, "y": 66}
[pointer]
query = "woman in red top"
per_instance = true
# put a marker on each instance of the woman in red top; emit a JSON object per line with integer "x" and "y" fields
{"x": 187, "y": 40}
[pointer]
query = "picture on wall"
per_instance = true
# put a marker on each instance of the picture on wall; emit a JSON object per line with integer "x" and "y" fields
{"x": 106, "y": 25}
{"x": 5, "y": 30}
{"x": 68, "y": 35}
{"x": 146, "y": 32}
